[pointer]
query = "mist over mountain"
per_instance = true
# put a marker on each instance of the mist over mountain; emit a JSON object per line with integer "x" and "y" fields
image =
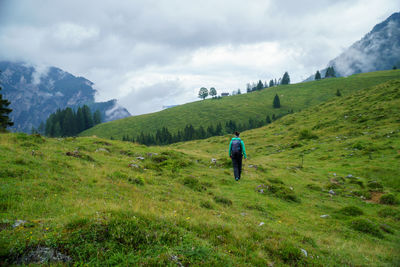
{"x": 377, "y": 50}
{"x": 36, "y": 92}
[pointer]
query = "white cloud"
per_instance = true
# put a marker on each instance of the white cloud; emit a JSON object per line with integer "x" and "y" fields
{"x": 68, "y": 34}
{"x": 153, "y": 53}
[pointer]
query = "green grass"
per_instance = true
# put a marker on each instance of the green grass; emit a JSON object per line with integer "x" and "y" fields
{"x": 240, "y": 108}
{"x": 129, "y": 204}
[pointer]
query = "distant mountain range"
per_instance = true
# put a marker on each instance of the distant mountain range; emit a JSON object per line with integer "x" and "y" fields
{"x": 377, "y": 50}
{"x": 35, "y": 94}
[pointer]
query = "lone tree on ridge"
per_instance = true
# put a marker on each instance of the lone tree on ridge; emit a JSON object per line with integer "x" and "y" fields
{"x": 203, "y": 93}
{"x": 213, "y": 92}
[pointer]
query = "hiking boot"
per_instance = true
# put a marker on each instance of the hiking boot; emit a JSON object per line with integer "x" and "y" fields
{"x": 237, "y": 179}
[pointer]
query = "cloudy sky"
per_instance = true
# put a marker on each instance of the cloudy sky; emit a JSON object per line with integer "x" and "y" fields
{"x": 151, "y": 53}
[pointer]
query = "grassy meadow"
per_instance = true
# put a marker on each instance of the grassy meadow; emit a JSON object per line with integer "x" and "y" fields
{"x": 320, "y": 188}
{"x": 240, "y": 108}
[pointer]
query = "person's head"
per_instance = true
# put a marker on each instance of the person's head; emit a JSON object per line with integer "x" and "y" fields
{"x": 237, "y": 134}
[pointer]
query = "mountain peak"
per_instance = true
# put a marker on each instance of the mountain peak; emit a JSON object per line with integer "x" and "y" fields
{"x": 377, "y": 50}
{"x": 37, "y": 91}
{"x": 394, "y": 18}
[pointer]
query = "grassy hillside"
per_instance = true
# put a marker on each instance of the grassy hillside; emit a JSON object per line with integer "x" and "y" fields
{"x": 103, "y": 202}
{"x": 256, "y": 105}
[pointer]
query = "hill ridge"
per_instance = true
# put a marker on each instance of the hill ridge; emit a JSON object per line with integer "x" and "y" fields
{"x": 320, "y": 188}
{"x": 240, "y": 108}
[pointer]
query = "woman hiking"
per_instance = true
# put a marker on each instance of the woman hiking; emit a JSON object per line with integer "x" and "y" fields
{"x": 236, "y": 153}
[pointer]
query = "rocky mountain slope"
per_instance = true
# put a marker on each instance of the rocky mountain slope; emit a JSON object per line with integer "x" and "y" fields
{"x": 36, "y": 93}
{"x": 377, "y": 50}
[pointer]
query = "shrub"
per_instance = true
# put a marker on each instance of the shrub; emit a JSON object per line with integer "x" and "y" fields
{"x": 36, "y": 138}
{"x": 223, "y": 200}
{"x": 333, "y": 186}
{"x": 294, "y": 145}
{"x": 389, "y": 199}
{"x": 290, "y": 254}
{"x": 358, "y": 145}
{"x": 76, "y": 223}
{"x": 255, "y": 207}
{"x": 206, "y": 205}
{"x": 117, "y": 175}
{"x": 386, "y": 228}
{"x": 193, "y": 183}
{"x": 389, "y": 213}
{"x": 306, "y": 134}
{"x": 354, "y": 180}
{"x": 283, "y": 193}
{"x": 374, "y": 185}
{"x": 136, "y": 180}
{"x": 159, "y": 158}
{"x": 351, "y": 211}
{"x": 366, "y": 226}
{"x": 364, "y": 194}
{"x": 152, "y": 166}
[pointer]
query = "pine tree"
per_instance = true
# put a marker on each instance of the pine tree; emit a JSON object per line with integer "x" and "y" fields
{"x": 268, "y": 120}
{"x": 271, "y": 83}
{"x": 80, "y": 120}
{"x": 317, "y": 75}
{"x": 330, "y": 72}
{"x": 273, "y": 117}
{"x": 210, "y": 131}
{"x": 260, "y": 85}
{"x": 167, "y": 137}
{"x": 4, "y": 111}
{"x": 188, "y": 132}
{"x": 201, "y": 133}
{"x": 97, "y": 117}
{"x": 68, "y": 125}
{"x": 218, "y": 129}
{"x": 285, "y": 78}
{"x": 277, "y": 102}
{"x": 88, "y": 117}
{"x": 239, "y": 92}
{"x": 49, "y": 126}
{"x": 57, "y": 130}
{"x": 338, "y": 93}
{"x": 252, "y": 123}
{"x": 248, "y": 87}
{"x": 41, "y": 128}
{"x": 178, "y": 137}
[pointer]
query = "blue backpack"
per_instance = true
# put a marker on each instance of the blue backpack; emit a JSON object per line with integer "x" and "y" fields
{"x": 236, "y": 146}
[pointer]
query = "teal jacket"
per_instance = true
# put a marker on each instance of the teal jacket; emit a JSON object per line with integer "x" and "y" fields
{"x": 243, "y": 148}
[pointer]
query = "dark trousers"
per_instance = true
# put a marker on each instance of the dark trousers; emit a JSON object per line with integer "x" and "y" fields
{"x": 237, "y": 164}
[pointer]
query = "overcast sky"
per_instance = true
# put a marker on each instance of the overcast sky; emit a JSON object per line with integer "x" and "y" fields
{"x": 152, "y": 53}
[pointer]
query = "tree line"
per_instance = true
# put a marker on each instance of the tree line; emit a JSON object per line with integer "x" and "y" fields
{"x": 204, "y": 92}
{"x": 163, "y": 136}
{"x": 273, "y": 82}
{"x": 68, "y": 122}
{"x": 329, "y": 73}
